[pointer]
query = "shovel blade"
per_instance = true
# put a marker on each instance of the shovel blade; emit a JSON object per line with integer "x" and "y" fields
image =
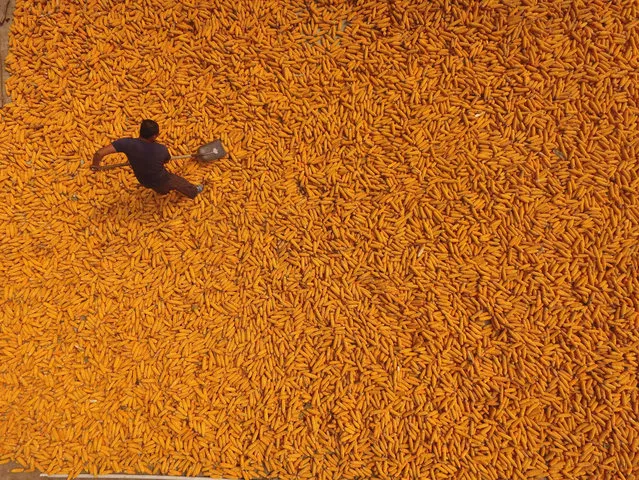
{"x": 211, "y": 151}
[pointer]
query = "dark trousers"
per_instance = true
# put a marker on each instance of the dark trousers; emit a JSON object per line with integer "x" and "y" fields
{"x": 175, "y": 182}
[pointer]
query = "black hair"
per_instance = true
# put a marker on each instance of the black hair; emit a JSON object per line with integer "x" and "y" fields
{"x": 149, "y": 128}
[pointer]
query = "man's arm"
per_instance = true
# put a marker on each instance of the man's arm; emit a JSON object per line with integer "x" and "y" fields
{"x": 100, "y": 154}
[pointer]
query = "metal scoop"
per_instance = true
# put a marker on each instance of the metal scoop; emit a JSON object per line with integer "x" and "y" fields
{"x": 208, "y": 152}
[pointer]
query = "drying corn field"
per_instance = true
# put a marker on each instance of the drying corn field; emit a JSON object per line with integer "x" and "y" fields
{"x": 419, "y": 259}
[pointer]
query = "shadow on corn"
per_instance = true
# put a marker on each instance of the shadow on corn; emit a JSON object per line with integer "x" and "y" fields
{"x": 6, "y": 12}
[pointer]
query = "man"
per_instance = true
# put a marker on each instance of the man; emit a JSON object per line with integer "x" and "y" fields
{"x": 147, "y": 159}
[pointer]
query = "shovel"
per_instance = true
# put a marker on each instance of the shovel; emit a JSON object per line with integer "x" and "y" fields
{"x": 206, "y": 153}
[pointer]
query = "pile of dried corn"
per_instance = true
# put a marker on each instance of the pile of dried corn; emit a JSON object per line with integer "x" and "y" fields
{"x": 419, "y": 262}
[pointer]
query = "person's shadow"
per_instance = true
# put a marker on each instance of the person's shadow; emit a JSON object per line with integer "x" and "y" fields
{"x": 140, "y": 206}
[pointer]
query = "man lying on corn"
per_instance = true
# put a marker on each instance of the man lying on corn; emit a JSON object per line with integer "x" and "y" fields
{"x": 147, "y": 159}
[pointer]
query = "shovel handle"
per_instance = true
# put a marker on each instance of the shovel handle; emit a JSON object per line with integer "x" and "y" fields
{"x": 126, "y": 164}
{"x": 116, "y": 165}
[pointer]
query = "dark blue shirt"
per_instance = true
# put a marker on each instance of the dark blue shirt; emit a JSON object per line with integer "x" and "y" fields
{"x": 147, "y": 160}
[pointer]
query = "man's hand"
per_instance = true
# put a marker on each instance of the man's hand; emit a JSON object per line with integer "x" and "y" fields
{"x": 99, "y": 155}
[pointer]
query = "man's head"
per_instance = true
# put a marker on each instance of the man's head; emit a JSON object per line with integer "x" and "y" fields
{"x": 149, "y": 130}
